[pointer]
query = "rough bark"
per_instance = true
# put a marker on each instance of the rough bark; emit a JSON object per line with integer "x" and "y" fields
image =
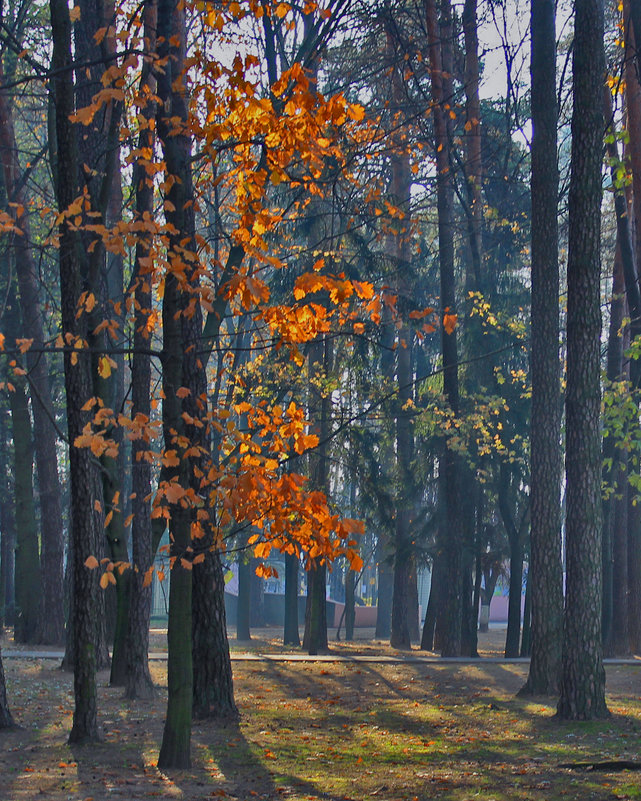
{"x": 545, "y": 431}
{"x": 583, "y": 676}
{"x": 449, "y": 617}
{"x": 213, "y": 685}
{"x": 85, "y": 520}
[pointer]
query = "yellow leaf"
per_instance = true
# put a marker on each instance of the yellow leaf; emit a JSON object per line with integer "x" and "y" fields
{"x": 91, "y": 562}
{"x": 104, "y": 368}
{"x": 104, "y": 580}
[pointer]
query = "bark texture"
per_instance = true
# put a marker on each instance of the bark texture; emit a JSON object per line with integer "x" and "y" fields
{"x": 583, "y": 676}
{"x": 449, "y": 616}
{"x": 545, "y": 432}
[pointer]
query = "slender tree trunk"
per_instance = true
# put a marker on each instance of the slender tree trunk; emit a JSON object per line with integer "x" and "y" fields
{"x": 28, "y": 579}
{"x": 138, "y": 683}
{"x": 545, "y": 467}
{"x": 448, "y": 621}
{"x": 291, "y": 634}
{"x": 86, "y": 521}
{"x": 243, "y": 610}
{"x": 583, "y": 676}
{"x": 633, "y": 150}
{"x": 8, "y": 531}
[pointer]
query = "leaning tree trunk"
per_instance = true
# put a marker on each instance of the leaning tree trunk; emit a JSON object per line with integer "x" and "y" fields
{"x": 545, "y": 536}
{"x": 583, "y": 676}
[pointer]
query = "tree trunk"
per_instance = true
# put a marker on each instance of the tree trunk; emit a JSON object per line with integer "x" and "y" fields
{"x": 51, "y": 616}
{"x": 315, "y": 635}
{"x": 28, "y": 579}
{"x": 448, "y": 623}
{"x": 633, "y": 150}
{"x": 8, "y": 532}
{"x": 243, "y": 608}
{"x": 6, "y": 719}
{"x": 583, "y": 676}
{"x": 86, "y": 521}
{"x": 350, "y": 611}
{"x": 545, "y": 430}
{"x": 138, "y": 683}
{"x": 213, "y": 685}
{"x": 291, "y": 634}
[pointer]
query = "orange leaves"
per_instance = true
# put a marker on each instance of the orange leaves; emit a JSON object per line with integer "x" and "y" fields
{"x": 449, "y": 322}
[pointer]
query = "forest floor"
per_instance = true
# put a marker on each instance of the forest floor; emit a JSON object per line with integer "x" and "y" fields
{"x": 361, "y": 731}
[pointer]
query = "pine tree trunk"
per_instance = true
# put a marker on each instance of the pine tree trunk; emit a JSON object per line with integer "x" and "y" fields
{"x": 545, "y": 467}
{"x": 448, "y": 623}
{"x": 583, "y": 676}
{"x": 213, "y": 685}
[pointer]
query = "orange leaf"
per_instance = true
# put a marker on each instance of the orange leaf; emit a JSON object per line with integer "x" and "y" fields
{"x": 91, "y": 562}
{"x": 449, "y": 322}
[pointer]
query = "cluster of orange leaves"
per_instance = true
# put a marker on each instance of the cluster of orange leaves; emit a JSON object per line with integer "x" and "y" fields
{"x": 245, "y": 144}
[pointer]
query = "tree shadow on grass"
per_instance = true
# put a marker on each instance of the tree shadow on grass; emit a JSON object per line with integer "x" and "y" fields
{"x": 243, "y": 767}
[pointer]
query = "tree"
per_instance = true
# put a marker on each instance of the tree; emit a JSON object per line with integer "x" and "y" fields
{"x": 583, "y": 677}
{"x": 449, "y": 616}
{"x": 545, "y": 428}
{"x": 86, "y": 518}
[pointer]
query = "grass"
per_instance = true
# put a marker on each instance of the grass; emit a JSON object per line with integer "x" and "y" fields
{"x": 358, "y": 731}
